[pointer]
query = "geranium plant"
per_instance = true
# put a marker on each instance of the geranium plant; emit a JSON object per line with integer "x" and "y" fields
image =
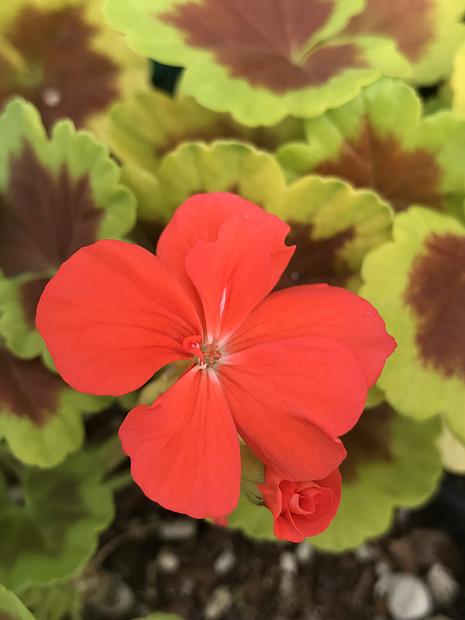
{"x": 251, "y": 283}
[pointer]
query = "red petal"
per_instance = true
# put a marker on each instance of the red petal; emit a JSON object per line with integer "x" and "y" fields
{"x": 251, "y": 244}
{"x": 280, "y": 434}
{"x": 320, "y": 310}
{"x": 112, "y": 316}
{"x": 184, "y": 449}
{"x": 317, "y": 377}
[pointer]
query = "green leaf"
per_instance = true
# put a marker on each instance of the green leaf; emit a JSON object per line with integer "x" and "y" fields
{"x": 392, "y": 462}
{"x": 259, "y": 63}
{"x": 11, "y": 607}
{"x": 457, "y": 82}
{"x": 381, "y": 140}
{"x": 452, "y": 452}
{"x": 58, "y": 600}
{"x": 76, "y": 77}
{"x": 40, "y": 416}
{"x": 57, "y": 194}
{"x": 54, "y": 531}
{"x": 254, "y": 520}
{"x": 220, "y": 167}
{"x": 416, "y": 282}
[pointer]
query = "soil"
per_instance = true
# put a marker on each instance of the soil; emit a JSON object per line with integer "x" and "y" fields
{"x": 153, "y": 560}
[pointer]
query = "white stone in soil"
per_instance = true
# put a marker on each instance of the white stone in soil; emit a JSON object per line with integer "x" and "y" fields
{"x": 365, "y": 553}
{"x": 408, "y": 598}
{"x": 224, "y": 562}
{"x": 288, "y": 562}
{"x": 178, "y": 530}
{"x": 442, "y": 584}
{"x": 304, "y": 552}
{"x": 218, "y": 604}
{"x": 168, "y": 562}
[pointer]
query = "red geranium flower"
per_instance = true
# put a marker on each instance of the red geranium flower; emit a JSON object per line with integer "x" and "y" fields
{"x": 288, "y": 371}
{"x": 301, "y": 509}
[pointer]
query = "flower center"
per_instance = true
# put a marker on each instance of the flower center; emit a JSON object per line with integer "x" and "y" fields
{"x": 205, "y": 354}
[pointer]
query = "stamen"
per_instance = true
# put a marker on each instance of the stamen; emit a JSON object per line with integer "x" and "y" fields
{"x": 206, "y": 355}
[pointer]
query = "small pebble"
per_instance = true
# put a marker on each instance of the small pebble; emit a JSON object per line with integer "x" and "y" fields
{"x": 187, "y": 587}
{"x": 218, "y": 604}
{"x": 383, "y": 584}
{"x": 365, "y": 553}
{"x": 288, "y": 562}
{"x": 304, "y": 552}
{"x": 382, "y": 568}
{"x": 408, "y": 598}
{"x": 168, "y": 562}
{"x": 442, "y": 584}
{"x": 51, "y": 97}
{"x": 178, "y": 530}
{"x": 224, "y": 562}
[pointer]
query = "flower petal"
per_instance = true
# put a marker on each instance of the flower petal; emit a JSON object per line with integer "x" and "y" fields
{"x": 112, "y": 316}
{"x": 280, "y": 434}
{"x": 184, "y": 449}
{"x": 234, "y": 273}
{"x": 324, "y": 311}
{"x": 317, "y": 377}
{"x": 201, "y": 217}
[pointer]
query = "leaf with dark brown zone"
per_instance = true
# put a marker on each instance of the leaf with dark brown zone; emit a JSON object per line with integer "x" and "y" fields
{"x": 316, "y": 260}
{"x": 267, "y": 44}
{"x": 378, "y": 160}
{"x": 30, "y": 293}
{"x": 27, "y": 388}
{"x": 368, "y": 442}
{"x": 63, "y": 75}
{"x": 436, "y": 293}
{"x": 417, "y": 283}
{"x": 409, "y": 23}
{"x": 44, "y": 217}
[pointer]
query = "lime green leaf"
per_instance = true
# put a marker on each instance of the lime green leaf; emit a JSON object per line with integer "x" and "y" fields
{"x": 40, "y": 416}
{"x": 54, "y": 531}
{"x": 382, "y": 141}
{"x": 259, "y": 63}
{"x": 11, "y": 607}
{"x": 56, "y": 195}
{"x": 457, "y": 82}
{"x": 392, "y": 462}
{"x": 77, "y": 77}
{"x": 375, "y": 397}
{"x": 254, "y": 520}
{"x": 416, "y": 282}
{"x": 220, "y": 167}
{"x": 452, "y": 452}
